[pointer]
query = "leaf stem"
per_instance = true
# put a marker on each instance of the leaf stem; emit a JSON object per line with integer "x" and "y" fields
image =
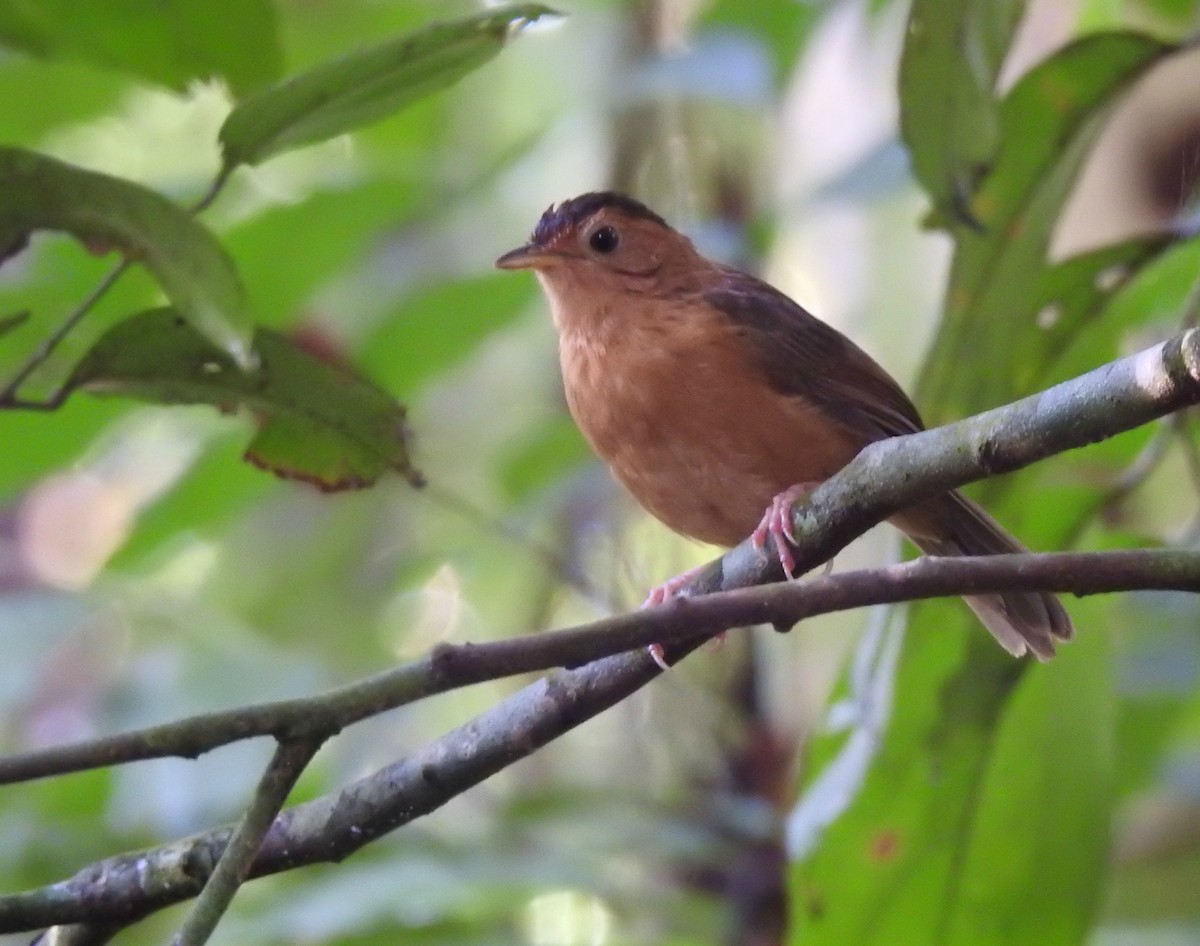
{"x": 47, "y": 348}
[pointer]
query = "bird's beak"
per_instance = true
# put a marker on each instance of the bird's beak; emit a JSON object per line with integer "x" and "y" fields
{"x": 529, "y": 256}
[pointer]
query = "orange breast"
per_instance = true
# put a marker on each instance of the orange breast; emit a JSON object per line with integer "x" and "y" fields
{"x": 676, "y": 407}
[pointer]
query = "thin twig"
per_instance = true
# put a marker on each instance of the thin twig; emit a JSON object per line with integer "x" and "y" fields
{"x": 289, "y": 761}
{"x": 51, "y": 343}
{"x": 450, "y": 667}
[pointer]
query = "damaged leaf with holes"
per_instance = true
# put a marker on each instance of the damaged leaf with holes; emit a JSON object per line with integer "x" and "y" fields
{"x": 317, "y": 422}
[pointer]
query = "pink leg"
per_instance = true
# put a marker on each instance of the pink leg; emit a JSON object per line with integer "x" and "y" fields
{"x": 662, "y": 594}
{"x": 777, "y": 523}
{"x": 669, "y": 588}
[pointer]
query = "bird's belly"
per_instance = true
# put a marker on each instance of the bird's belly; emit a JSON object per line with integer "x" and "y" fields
{"x": 706, "y": 447}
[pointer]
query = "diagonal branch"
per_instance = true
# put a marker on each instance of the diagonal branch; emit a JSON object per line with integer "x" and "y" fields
{"x": 891, "y": 474}
{"x": 884, "y": 478}
{"x": 122, "y": 889}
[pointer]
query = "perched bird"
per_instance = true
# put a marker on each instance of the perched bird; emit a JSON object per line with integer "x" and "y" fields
{"x": 717, "y": 400}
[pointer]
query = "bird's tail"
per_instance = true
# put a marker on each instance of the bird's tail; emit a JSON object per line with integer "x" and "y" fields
{"x": 1019, "y": 620}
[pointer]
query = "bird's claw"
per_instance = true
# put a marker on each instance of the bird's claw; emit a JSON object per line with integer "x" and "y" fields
{"x": 661, "y": 595}
{"x": 669, "y": 588}
{"x": 777, "y": 523}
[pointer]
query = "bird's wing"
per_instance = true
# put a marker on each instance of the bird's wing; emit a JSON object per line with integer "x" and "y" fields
{"x": 805, "y": 358}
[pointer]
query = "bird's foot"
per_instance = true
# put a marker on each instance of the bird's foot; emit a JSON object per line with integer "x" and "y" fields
{"x": 669, "y": 588}
{"x": 777, "y": 523}
{"x": 662, "y": 594}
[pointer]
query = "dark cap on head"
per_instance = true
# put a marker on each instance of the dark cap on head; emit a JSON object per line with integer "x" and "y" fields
{"x": 558, "y": 220}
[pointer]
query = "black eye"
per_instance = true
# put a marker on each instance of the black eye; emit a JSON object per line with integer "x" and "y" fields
{"x": 604, "y": 240}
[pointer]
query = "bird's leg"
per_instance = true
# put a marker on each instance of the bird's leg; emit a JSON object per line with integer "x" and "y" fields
{"x": 660, "y": 595}
{"x": 777, "y": 523}
{"x": 669, "y": 588}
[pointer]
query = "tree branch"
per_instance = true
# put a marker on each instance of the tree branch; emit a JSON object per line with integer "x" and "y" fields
{"x": 122, "y": 889}
{"x": 884, "y": 478}
{"x": 233, "y": 867}
{"x": 891, "y": 474}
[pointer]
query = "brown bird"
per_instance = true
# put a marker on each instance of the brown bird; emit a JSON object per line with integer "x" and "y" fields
{"x": 712, "y": 396}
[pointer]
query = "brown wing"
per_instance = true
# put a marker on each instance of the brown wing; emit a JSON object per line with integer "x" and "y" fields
{"x": 804, "y": 357}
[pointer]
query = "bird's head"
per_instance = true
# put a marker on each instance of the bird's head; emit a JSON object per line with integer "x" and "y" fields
{"x": 604, "y": 244}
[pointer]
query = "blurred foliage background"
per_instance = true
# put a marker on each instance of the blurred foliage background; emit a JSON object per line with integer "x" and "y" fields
{"x": 873, "y": 785}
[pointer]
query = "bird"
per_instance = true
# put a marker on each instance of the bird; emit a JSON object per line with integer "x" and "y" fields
{"x": 718, "y": 401}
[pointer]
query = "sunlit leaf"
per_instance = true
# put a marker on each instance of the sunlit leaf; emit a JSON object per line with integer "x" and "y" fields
{"x": 365, "y": 86}
{"x": 949, "y": 114}
{"x": 172, "y": 42}
{"x": 106, "y": 213}
{"x": 316, "y": 422}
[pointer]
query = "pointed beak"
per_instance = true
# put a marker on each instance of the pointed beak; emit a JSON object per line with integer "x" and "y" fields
{"x": 529, "y": 256}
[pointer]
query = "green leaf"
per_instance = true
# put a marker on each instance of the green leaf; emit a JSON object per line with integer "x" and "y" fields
{"x": 1036, "y": 851}
{"x": 1048, "y": 123}
{"x": 38, "y": 192}
{"x": 317, "y": 422}
{"x": 365, "y": 86}
{"x": 980, "y": 777}
{"x": 949, "y": 116}
{"x": 173, "y": 42}
{"x": 1072, "y": 294}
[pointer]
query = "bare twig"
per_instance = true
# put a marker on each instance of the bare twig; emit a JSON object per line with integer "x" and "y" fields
{"x": 884, "y": 478}
{"x": 52, "y": 341}
{"x": 289, "y": 761}
{"x": 332, "y": 827}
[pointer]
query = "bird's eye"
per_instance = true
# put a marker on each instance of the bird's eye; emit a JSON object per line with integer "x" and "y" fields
{"x": 604, "y": 240}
